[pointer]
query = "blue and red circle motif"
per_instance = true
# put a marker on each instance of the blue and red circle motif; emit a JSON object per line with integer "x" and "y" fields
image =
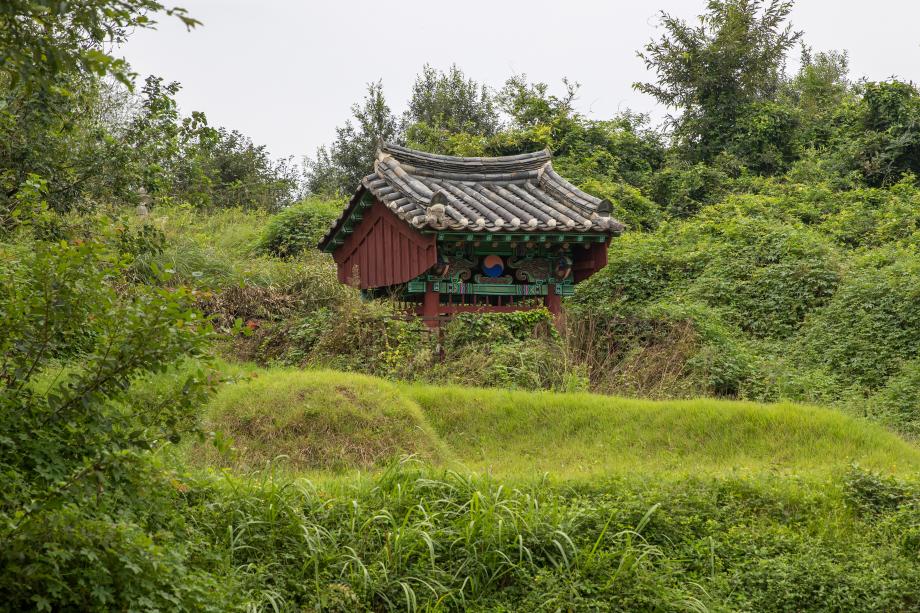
{"x": 493, "y": 265}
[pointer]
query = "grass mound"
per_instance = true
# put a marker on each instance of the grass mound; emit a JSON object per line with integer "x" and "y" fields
{"x": 319, "y": 420}
{"x": 587, "y": 435}
{"x": 329, "y": 420}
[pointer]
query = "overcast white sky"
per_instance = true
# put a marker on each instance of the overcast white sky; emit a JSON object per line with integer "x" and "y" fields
{"x": 285, "y": 72}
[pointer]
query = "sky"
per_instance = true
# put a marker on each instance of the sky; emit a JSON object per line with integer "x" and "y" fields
{"x": 286, "y": 72}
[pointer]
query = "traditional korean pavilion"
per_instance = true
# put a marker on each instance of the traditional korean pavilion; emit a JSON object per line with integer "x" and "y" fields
{"x": 452, "y": 234}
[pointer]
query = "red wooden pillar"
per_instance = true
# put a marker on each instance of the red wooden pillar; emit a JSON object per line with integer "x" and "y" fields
{"x": 553, "y": 301}
{"x": 430, "y": 306}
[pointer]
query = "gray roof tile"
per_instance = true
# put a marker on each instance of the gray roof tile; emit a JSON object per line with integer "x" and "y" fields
{"x": 502, "y": 194}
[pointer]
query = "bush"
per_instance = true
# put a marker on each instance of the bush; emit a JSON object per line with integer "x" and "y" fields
{"x": 766, "y": 276}
{"x": 682, "y": 190}
{"x": 871, "y": 492}
{"x": 898, "y": 402}
{"x": 299, "y": 227}
{"x": 871, "y": 324}
{"x": 84, "y": 510}
{"x": 370, "y": 337}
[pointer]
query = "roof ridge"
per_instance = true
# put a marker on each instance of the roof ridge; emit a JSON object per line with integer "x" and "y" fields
{"x": 453, "y": 163}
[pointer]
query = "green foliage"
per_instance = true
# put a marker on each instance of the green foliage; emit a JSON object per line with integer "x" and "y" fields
{"x": 39, "y": 39}
{"x": 767, "y": 275}
{"x": 447, "y": 104}
{"x": 818, "y": 92}
{"x": 772, "y": 254}
{"x": 420, "y": 539}
{"x": 765, "y": 139}
{"x": 764, "y": 275}
{"x": 338, "y": 170}
{"x": 870, "y": 326}
{"x": 82, "y": 504}
{"x": 882, "y": 132}
{"x": 683, "y": 189}
{"x": 366, "y": 336}
{"x": 717, "y": 74}
{"x": 59, "y": 136}
{"x": 184, "y": 159}
{"x": 467, "y": 329}
{"x": 509, "y": 350}
{"x": 871, "y": 492}
{"x": 898, "y": 403}
{"x": 299, "y": 227}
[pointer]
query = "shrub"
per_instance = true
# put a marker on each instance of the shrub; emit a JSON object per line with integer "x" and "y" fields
{"x": 642, "y": 267}
{"x": 766, "y": 276}
{"x": 630, "y": 205}
{"x": 82, "y": 506}
{"x": 370, "y": 337}
{"x": 871, "y": 492}
{"x": 898, "y": 402}
{"x": 683, "y": 189}
{"x": 871, "y": 217}
{"x": 299, "y": 227}
{"x": 485, "y": 329}
{"x": 871, "y": 325}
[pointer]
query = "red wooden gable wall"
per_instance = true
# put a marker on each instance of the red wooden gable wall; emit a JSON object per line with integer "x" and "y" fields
{"x": 385, "y": 250}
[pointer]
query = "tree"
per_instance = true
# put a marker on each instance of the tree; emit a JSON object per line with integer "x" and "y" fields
{"x": 224, "y": 168}
{"x": 883, "y": 132}
{"x": 817, "y": 91}
{"x": 340, "y": 168}
{"x": 530, "y": 104}
{"x": 43, "y": 38}
{"x": 610, "y": 159}
{"x": 52, "y": 58}
{"x": 60, "y": 134}
{"x": 715, "y": 73}
{"x": 444, "y": 106}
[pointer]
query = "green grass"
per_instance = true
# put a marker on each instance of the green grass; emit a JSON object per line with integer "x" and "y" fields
{"x": 584, "y": 435}
{"x": 221, "y": 250}
{"x": 317, "y": 420}
{"x": 700, "y": 505}
{"x": 323, "y": 420}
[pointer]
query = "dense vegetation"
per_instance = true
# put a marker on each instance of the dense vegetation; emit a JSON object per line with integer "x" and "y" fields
{"x": 159, "y": 449}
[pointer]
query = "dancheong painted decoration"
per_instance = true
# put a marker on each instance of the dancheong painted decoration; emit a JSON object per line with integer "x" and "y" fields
{"x": 453, "y": 234}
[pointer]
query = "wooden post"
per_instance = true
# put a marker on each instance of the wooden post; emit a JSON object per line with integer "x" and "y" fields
{"x": 553, "y": 301}
{"x": 430, "y": 306}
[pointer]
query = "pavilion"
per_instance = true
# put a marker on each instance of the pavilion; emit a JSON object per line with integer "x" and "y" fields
{"x": 457, "y": 234}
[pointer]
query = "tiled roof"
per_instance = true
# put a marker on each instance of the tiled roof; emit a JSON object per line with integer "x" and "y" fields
{"x": 516, "y": 193}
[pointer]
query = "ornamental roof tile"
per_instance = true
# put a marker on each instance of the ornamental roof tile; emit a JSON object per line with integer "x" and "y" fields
{"x": 515, "y": 193}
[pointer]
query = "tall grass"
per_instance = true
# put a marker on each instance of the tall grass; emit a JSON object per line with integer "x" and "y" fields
{"x": 407, "y": 540}
{"x": 318, "y": 420}
{"x": 419, "y": 540}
